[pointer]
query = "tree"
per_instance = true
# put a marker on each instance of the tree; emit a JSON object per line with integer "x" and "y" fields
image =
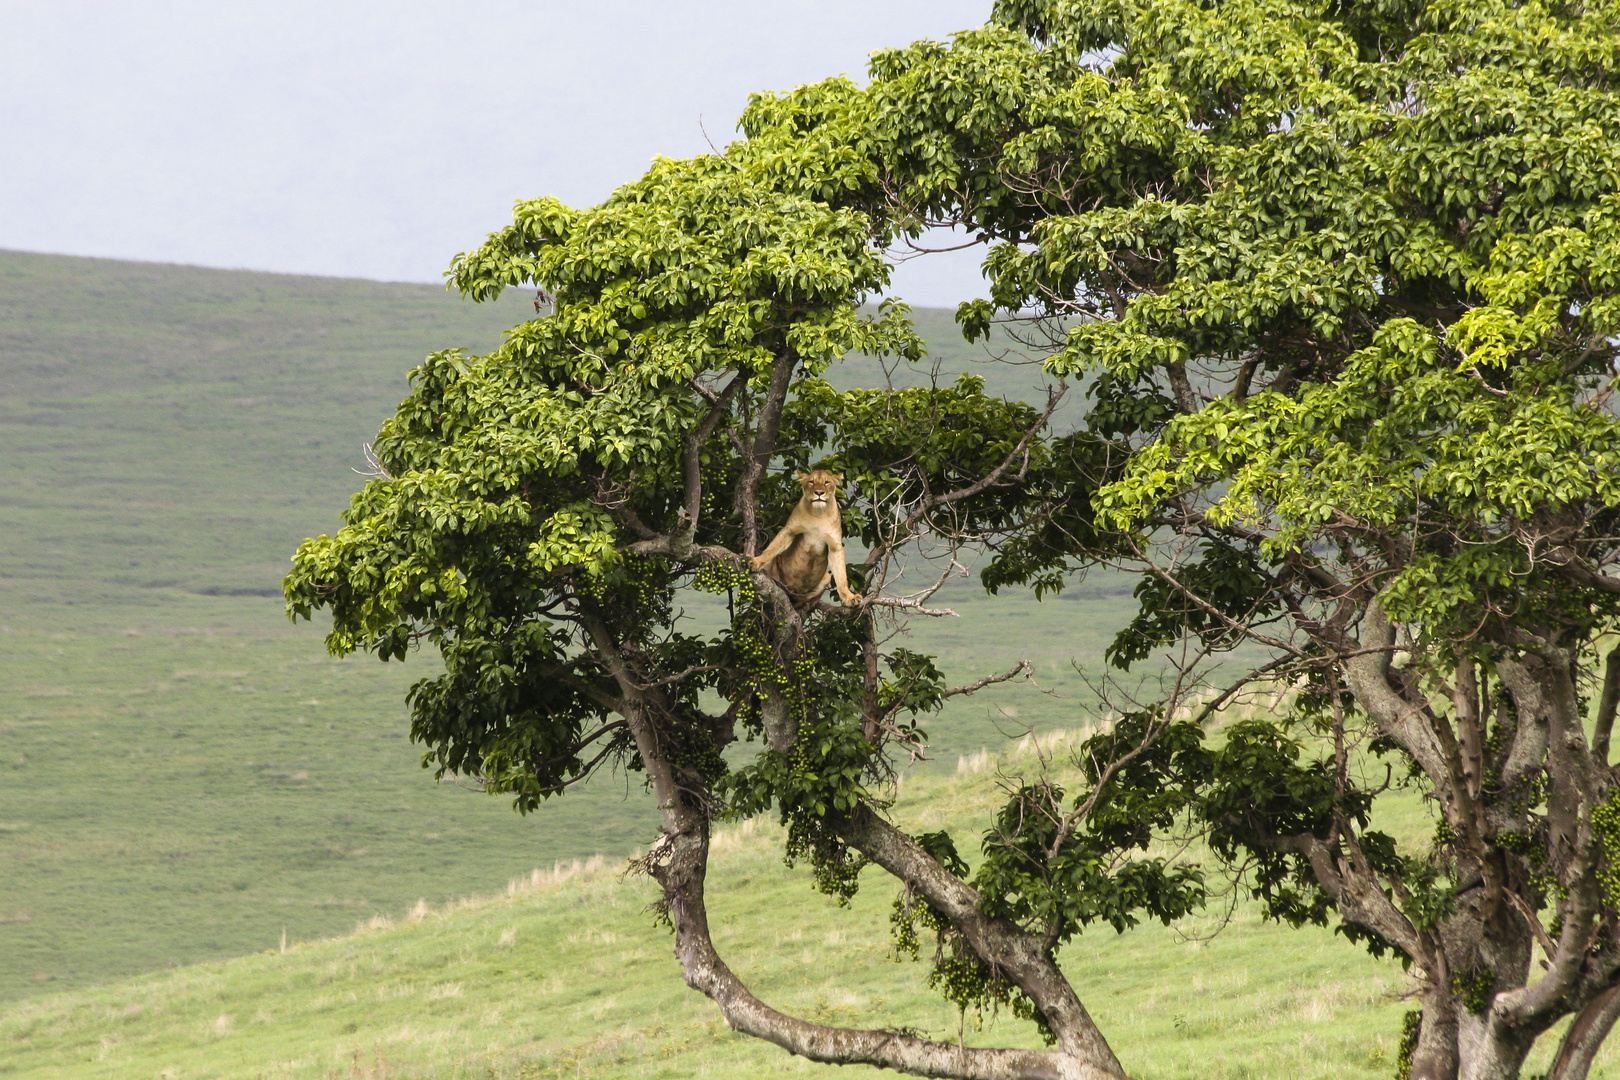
{"x": 1346, "y": 277}
{"x": 1340, "y": 277}
{"x": 539, "y": 512}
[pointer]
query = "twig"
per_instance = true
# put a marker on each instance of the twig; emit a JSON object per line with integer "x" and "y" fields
{"x": 1023, "y": 668}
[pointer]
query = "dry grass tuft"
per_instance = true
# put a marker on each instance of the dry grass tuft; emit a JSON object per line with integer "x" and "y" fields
{"x": 373, "y": 924}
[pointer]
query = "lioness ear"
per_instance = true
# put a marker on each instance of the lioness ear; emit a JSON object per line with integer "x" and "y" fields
{"x": 838, "y": 477}
{"x": 802, "y": 478}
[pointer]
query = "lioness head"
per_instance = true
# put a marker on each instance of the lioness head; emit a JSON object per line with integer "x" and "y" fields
{"x": 820, "y": 486}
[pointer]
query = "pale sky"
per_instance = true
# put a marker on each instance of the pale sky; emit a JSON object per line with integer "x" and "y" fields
{"x": 376, "y": 139}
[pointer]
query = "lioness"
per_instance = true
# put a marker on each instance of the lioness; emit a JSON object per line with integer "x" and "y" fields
{"x": 810, "y": 547}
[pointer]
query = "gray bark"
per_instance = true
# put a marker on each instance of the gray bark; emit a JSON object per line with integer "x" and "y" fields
{"x": 1021, "y": 956}
{"x": 1488, "y": 1048}
{"x": 1435, "y": 1056}
{"x": 682, "y": 876}
{"x": 1586, "y": 1035}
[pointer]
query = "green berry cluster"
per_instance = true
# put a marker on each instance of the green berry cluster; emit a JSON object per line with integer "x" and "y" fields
{"x": 754, "y": 653}
{"x": 1606, "y": 824}
{"x": 837, "y": 871}
{"x": 721, "y": 575}
{"x": 1473, "y": 987}
{"x": 1411, "y": 1025}
{"x": 958, "y": 974}
{"x": 635, "y": 583}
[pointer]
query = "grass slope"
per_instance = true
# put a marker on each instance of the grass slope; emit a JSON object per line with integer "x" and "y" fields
{"x": 171, "y": 431}
{"x": 566, "y": 975}
{"x": 184, "y": 775}
{"x": 569, "y": 977}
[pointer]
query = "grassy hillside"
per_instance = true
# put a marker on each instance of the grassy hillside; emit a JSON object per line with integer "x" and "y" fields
{"x": 184, "y": 775}
{"x": 174, "y": 792}
{"x": 566, "y": 975}
{"x": 168, "y": 432}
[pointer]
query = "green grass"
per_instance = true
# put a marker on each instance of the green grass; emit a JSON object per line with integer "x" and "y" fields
{"x": 172, "y": 793}
{"x": 168, "y": 432}
{"x": 169, "y": 790}
{"x": 573, "y": 978}
{"x": 566, "y": 975}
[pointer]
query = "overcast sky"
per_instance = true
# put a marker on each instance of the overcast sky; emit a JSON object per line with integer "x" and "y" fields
{"x": 377, "y": 139}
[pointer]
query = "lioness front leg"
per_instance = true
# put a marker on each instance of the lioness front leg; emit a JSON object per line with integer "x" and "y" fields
{"x": 774, "y": 548}
{"x": 840, "y": 575}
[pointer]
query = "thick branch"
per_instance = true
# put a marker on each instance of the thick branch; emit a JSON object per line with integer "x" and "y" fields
{"x": 1021, "y": 956}
{"x": 1470, "y": 730}
{"x": 1585, "y": 1037}
{"x": 693, "y": 463}
{"x": 682, "y": 869}
{"x": 1359, "y": 897}
{"x": 1606, "y": 708}
{"x": 1543, "y": 684}
{"x": 1181, "y": 387}
{"x": 762, "y": 448}
{"x": 1572, "y": 567}
{"x": 1368, "y": 673}
{"x": 1529, "y": 745}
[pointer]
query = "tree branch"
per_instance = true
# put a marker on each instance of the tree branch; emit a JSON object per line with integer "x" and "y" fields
{"x": 1367, "y": 671}
{"x": 762, "y": 449}
{"x": 1585, "y": 1037}
{"x": 1360, "y": 899}
{"x": 1606, "y": 708}
{"x": 692, "y": 465}
{"x": 1053, "y": 398}
{"x": 680, "y": 865}
{"x": 1021, "y": 956}
{"x": 1022, "y": 668}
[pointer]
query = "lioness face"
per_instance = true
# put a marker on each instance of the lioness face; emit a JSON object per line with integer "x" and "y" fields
{"x": 820, "y": 486}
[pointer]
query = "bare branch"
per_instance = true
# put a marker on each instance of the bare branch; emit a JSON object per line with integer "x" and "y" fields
{"x": 1516, "y": 902}
{"x": 374, "y": 467}
{"x": 1053, "y": 398}
{"x": 762, "y": 448}
{"x": 1022, "y": 668}
{"x": 680, "y": 676}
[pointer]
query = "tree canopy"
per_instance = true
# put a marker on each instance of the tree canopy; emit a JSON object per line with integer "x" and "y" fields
{"x": 1340, "y": 282}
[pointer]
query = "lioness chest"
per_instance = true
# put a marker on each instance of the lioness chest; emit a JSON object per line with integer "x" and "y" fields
{"x": 803, "y": 566}
{"x": 807, "y": 544}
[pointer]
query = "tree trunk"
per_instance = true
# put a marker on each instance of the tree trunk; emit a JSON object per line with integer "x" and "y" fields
{"x": 679, "y": 863}
{"x": 1435, "y": 1056}
{"x": 682, "y": 870}
{"x": 1487, "y": 1049}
